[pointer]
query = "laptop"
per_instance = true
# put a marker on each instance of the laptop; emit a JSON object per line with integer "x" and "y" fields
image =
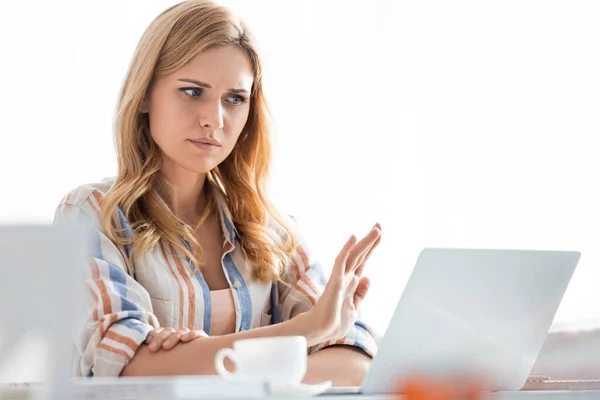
{"x": 480, "y": 314}
{"x": 39, "y": 293}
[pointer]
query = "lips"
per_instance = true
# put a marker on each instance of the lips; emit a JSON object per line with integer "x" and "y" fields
{"x": 207, "y": 141}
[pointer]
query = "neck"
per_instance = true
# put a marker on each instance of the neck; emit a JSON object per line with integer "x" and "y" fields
{"x": 188, "y": 198}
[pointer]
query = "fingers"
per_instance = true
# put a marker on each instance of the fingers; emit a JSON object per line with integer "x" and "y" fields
{"x": 362, "y": 248}
{"x": 361, "y": 291}
{"x": 167, "y": 338}
{"x": 174, "y": 338}
{"x": 152, "y": 334}
{"x": 191, "y": 335}
{"x": 342, "y": 258}
{"x": 160, "y": 335}
{"x": 361, "y": 265}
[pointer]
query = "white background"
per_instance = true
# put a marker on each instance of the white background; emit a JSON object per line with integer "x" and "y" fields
{"x": 463, "y": 123}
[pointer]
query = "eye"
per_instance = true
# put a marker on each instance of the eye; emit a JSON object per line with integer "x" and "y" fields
{"x": 237, "y": 100}
{"x": 192, "y": 92}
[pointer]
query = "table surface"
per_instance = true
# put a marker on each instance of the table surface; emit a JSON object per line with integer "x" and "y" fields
{"x": 24, "y": 394}
{"x": 524, "y": 395}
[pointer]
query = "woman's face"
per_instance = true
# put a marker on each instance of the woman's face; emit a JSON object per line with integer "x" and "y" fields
{"x": 197, "y": 113}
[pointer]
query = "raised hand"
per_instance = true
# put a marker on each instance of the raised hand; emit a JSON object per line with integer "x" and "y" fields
{"x": 336, "y": 311}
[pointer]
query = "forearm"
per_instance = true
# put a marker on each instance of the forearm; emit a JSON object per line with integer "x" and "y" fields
{"x": 197, "y": 357}
{"x": 343, "y": 365}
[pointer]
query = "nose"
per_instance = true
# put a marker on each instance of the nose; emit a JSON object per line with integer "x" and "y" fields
{"x": 211, "y": 116}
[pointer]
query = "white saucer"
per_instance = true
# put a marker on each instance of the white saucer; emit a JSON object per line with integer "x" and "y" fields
{"x": 301, "y": 389}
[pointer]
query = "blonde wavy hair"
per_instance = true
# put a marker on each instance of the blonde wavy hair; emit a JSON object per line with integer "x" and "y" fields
{"x": 175, "y": 37}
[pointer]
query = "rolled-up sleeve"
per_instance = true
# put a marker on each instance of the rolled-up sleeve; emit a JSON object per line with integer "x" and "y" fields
{"x": 117, "y": 312}
{"x": 302, "y": 285}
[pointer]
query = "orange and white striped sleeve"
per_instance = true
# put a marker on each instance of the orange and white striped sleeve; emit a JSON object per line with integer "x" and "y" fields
{"x": 117, "y": 312}
{"x": 303, "y": 284}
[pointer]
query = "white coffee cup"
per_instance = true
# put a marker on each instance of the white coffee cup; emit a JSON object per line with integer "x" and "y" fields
{"x": 275, "y": 360}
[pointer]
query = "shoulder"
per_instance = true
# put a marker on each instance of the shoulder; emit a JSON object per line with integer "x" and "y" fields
{"x": 84, "y": 200}
{"x": 85, "y": 193}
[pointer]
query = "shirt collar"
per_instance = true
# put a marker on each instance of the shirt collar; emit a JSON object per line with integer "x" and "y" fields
{"x": 229, "y": 230}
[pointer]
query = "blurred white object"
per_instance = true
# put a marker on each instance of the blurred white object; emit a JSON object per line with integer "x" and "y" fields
{"x": 24, "y": 360}
{"x": 39, "y": 293}
{"x": 276, "y": 360}
{"x": 571, "y": 351}
{"x": 300, "y": 389}
{"x": 172, "y": 387}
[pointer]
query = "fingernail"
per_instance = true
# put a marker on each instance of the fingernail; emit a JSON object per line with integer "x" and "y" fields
{"x": 154, "y": 346}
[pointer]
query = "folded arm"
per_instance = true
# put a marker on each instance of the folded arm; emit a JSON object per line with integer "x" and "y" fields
{"x": 197, "y": 356}
{"x": 343, "y": 365}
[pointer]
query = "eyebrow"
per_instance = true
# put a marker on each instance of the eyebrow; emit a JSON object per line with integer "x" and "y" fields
{"x": 206, "y": 85}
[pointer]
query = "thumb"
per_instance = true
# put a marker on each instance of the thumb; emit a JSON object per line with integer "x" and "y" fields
{"x": 361, "y": 291}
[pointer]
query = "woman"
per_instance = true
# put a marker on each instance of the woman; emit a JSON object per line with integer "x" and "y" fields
{"x": 188, "y": 253}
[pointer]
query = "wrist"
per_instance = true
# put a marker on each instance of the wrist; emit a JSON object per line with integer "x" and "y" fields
{"x": 304, "y": 325}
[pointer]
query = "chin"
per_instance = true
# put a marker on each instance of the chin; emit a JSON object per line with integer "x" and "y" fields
{"x": 198, "y": 167}
{"x": 193, "y": 163}
{"x": 203, "y": 169}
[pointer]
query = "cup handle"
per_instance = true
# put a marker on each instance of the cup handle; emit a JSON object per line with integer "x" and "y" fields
{"x": 219, "y": 362}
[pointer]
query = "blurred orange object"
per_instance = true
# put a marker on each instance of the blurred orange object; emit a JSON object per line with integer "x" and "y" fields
{"x": 423, "y": 389}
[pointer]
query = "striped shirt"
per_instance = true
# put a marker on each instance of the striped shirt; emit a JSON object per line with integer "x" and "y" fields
{"x": 125, "y": 302}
